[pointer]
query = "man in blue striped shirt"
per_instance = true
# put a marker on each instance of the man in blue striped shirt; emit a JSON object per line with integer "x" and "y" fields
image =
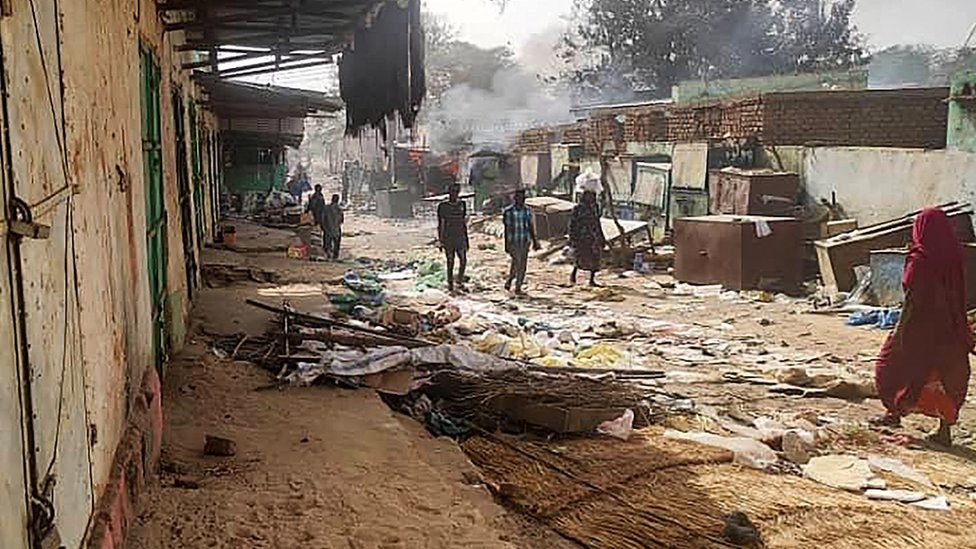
{"x": 519, "y": 235}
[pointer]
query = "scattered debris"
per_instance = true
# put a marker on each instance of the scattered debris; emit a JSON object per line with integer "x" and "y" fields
{"x": 185, "y": 483}
{"x": 897, "y": 468}
{"x": 884, "y": 319}
{"x": 218, "y": 446}
{"x": 798, "y": 446}
{"x": 618, "y": 428}
{"x": 901, "y": 496}
{"x": 842, "y": 471}
{"x": 219, "y": 275}
{"x": 940, "y": 503}
{"x": 747, "y": 451}
{"x": 740, "y": 530}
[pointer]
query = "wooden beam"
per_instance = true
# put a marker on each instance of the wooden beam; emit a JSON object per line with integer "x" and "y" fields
{"x": 279, "y": 60}
{"x": 207, "y": 62}
{"x": 269, "y": 41}
{"x": 265, "y": 15}
{"x": 281, "y": 68}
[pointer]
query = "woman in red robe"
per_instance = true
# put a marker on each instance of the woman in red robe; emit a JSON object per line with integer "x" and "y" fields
{"x": 924, "y": 365}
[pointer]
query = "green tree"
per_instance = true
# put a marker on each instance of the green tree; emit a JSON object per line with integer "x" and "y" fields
{"x": 650, "y": 45}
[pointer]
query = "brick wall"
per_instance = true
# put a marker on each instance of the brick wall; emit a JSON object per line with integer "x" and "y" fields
{"x": 646, "y": 125}
{"x": 600, "y": 130}
{"x": 534, "y": 141}
{"x": 873, "y": 118}
{"x": 911, "y": 118}
{"x": 738, "y": 119}
{"x": 570, "y": 133}
{"x": 539, "y": 140}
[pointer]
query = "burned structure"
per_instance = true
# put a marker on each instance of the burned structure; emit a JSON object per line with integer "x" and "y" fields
{"x": 794, "y": 150}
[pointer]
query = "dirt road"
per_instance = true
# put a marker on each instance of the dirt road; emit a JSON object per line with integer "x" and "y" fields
{"x": 316, "y": 467}
{"x": 325, "y": 467}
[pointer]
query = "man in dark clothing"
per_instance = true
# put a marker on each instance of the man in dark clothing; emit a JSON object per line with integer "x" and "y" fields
{"x": 519, "y": 235}
{"x": 452, "y": 232}
{"x": 316, "y": 206}
{"x": 332, "y": 227}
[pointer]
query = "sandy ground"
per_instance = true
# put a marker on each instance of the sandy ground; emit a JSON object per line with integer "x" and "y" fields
{"x": 316, "y": 467}
{"x": 323, "y": 467}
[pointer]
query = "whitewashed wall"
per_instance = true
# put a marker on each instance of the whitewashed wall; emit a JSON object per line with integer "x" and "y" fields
{"x": 876, "y": 184}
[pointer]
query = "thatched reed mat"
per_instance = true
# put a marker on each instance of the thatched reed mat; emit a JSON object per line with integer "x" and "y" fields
{"x": 655, "y": 492}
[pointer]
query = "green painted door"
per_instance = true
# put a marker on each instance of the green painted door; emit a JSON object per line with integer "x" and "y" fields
{"x": 197, "y": 158}
{"x": 215, "y": 178}
{"x": 152, "y": 159}
{"x": 186, "y": 197}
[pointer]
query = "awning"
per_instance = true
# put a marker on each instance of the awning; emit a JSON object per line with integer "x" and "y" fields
{"x": 264, "y": 35}
{"x": 264, "y": 115}
{"x": 244, "y": 99}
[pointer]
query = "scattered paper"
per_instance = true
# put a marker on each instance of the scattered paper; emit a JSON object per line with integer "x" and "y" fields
{"x": 940, "y": 503}
{"x": 902, "y": 496}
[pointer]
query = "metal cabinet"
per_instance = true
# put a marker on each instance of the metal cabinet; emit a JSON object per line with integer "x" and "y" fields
{"x": 739, "y": 252}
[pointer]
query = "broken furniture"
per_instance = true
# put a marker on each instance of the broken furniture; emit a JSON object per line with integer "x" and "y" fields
{"x": 753, "y": 192}
{"x": 630, "y": 229}
{"x": 839, "y": 255}
{"x": 739, "y": 252}
{"x": 551, "y": 216}
{"x": 394, "y": 203}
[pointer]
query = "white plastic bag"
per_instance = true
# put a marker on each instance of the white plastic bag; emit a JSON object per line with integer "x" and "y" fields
{"x": 620, "y": 428}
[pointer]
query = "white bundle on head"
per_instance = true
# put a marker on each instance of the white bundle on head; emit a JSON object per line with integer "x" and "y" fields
{"x": 588, "y": 181}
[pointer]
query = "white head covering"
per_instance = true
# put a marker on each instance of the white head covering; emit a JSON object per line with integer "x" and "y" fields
{"x": 588, "y": 181}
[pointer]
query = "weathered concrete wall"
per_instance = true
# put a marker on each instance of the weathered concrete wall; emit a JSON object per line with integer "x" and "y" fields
{"x": 697, "y": 90}
{"x": 962, "y": 112}
{"x": 650, "y": 148}
{"x": 75, "y": 132}
{"x": 783, "y": 158}
{"x": 875, "y": 184}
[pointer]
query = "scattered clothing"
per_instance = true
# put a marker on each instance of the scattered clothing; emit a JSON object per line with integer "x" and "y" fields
{"x": 885, "y": 319}
{"x": 763, "y": 229}
{"x": 924, "y": 365}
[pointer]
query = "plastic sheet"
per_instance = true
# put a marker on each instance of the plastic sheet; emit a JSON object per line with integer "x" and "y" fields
{"x": 747, "y": 451}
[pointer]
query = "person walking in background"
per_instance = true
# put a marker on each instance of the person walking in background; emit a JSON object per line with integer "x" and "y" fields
{"x": 452, "y": 233}
{"x": 316, "y": 207}
{"x": 519, "y": 235}
{"x": 586, "y": 236}
{"x": 924, "y": 364}
{"x": 332, "y": 227}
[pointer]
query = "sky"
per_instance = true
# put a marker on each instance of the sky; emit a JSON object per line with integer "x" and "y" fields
{"x": 884, "y": 22}
{"x": 532, "y": 27}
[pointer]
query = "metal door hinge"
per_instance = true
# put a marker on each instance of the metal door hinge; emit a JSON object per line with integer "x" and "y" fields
{"x": 24, "y": 225}
{"x": 30, "y": 230}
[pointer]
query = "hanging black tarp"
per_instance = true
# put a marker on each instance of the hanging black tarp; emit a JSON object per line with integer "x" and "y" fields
{"x": 382, "y": 72}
